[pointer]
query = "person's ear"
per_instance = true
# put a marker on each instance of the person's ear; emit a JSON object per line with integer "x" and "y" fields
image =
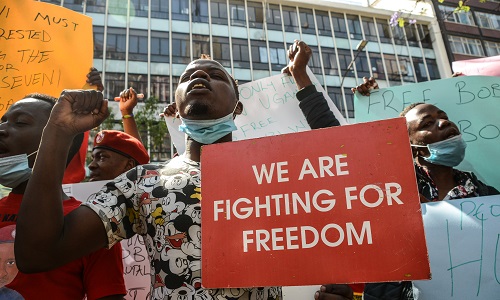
{"x": 130, "y": 164}
{"x": 239, "y": 108}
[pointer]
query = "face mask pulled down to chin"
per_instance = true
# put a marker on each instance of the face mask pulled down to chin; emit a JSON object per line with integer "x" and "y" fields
{"x": 14, "y": 170}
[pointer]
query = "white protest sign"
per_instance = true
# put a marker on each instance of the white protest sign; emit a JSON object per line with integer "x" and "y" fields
{"x": 269, "y": 108}
{"x": 463, "y": 238}
{"x": 136, "y": 267}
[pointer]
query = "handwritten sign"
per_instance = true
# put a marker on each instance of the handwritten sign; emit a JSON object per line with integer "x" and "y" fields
{"x": 487, "y": 66}
{"x": 471, "y": 102}
{"x": 44, "y": 48}
{"x": 316, "y": 208}
{"x": 136, "y": 267}
{"x": 463, "y": 238}
{"x": 270, "y": 107}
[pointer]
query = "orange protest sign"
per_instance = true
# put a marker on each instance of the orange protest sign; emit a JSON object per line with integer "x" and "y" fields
{"x": 335, "y": 205}
{"x": 44, "y": 48}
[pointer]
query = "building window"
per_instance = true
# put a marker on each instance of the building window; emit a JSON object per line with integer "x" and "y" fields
{"x": 201, "y": 45}
{"x": 273, "y": 17}
{"x": 259, "y": 55}
{"x": 96, "y": 6}
{"x": 433, "y": 69}
{"x": 116, "y": 43}
{"x": 180, "y": 49}
{"x": 377, "y": 66}
{"x": 237, "y": 9}
{"x": 362, "y": 68}
{"x": 393, "y": 72}
{"x": 405, "y": 65}
{"x": 76, "y": 5}
{"x": 461, "y": 45}
{"x": 329, "y": 61}
{"x": 354, "y": 27}
{"x": 323, "y": 23}
{"x": 180, "y": 10}
{"x": 384, "y": 31}
{"x": 447, "y": 13}
{"x": 488, "y": 20}
{"x": 218, "y": 9}
{"x": 160, "y": 88}
{"x": 399, "y": 35}
{"x": 159, "y": 9}
{"x": 492, "y": 48}
{"x": 199, "y": 11}
{"x": 424, "y": 35}
{"x": 336, "y": 96}
{"x": 307, "y": 21}
{"x": 420, "y": 71}
{"x": 139, "y": 82}
{"x": 290, "y": 19}
{"x": 339, "y": 25}
{"x": 139, "y": 8}
{"x": 159, "y": 47}
{"x": 315, "y": 62}
{"x": 117, "y": 7}
{"x": 138, "y": 45}
{"x": 56, "y": 2}
{"x": 98, "y": 41}
{"x": 255, "y": 14}
{"x": 369, "y": 28}
{"x": 344, "y": 60}
{"x": 241, "y": 57}
{"x": 222, "y": 51}
{"x": 278, "y": 56}
{"x": 114, "y": 84}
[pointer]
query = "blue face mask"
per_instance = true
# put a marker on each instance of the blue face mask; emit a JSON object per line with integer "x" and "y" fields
{"x": 449, "y": 152}
{"x": 14, "y": 170}
{"x": 208, "y": 131}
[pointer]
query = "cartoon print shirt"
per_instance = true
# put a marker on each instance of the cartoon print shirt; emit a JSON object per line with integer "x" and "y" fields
{"x": 162, "y": 203}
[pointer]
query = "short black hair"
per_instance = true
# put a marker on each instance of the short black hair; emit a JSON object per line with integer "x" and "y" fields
{"x": 408, "y": 108}
{"x": 77, "y": 140}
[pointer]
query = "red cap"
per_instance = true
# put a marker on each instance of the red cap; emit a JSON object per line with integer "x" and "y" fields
{"x": 122, "y": 143}
{"x": 7, "y": 234}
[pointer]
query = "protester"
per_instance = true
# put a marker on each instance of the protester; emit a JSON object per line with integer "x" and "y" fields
{"x": 97, "y": 275}
{"x": 8, "y": 268}
{"x": 114, "y": 153}
{"x": 159, "y": 202}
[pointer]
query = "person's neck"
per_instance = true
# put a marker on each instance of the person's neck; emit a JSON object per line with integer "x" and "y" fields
{"x": 441, "y": 175}
{"x": 193, "y": 148}
{"x": 20, "y": 189}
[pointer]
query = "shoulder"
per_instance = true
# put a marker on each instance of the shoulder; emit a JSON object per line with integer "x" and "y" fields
{"x": 483, "y": 189}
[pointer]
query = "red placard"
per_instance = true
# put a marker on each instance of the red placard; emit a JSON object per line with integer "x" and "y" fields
{"x": 334, "y": 205}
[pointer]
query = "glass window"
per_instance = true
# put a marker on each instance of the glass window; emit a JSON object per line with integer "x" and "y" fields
{"x": 391, "y": 64}
{"x": 98, "y": 41}
{"x": 76, "y": 5}
{"x": 160, "y": 88}
{"x": 138, "y": 45}
{"x": 323, "y": 22}
{"x": 222, "y": 51}
{"x": 117, "y": 7}
{"x": 139, "y": 82}
{"x": 399, "y": 35}
{"x": 412, "y": 35}
{"x": 159, "y": 9}
{"x": 488, "y": 20}
{"x": 344, "y": 60}
{"x": 114, "y": 84}
{"x": 255, "y": 14}
{"x": 290, "y": 19}
{"x": 467, "y": 46}
{"x": 116, "y": 43}
{"x": 424, "y": 35}
{"x": 241, "y": 57}
{"x": 336, "y": 96}
{"x": 56, "y": 2}
{"x": 362, "y": 67}
{"x": 180, "y": 48}
{"x": 448, "y": 14}
{"x": 259, "y": 55}
{"x": 201, "y": 45}
{"x": 377, "y": 65}
{"x": 339, "y": 25}
{"x": 433, "y": 69}
{"x": 97, "y": 6}
{"x": 139, "y": 8}
{"x": 384, "y": 31}
{"x": 273, "y": 17}
{"x": 329, "y": 61}
{"x": 159, "y": 47}
{"x": 492, "y": 48}
{"x": 219, "y": 11}
{"x": 278, "y": 55}
{"x": 369, "y": 28}
{"x": 199, "y": 10}
{"x": 180, "y": 10}
{"x": 307, "y": 20}
{"x": 237, "y": 9}
{"x": 354, "y": 27}
{"x": 420, "y": 71}
{"x": 405, "y": 65}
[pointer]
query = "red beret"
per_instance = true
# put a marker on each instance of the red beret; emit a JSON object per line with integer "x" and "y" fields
{"x": 122, "y": 143}
{"x": 8, "y": 234}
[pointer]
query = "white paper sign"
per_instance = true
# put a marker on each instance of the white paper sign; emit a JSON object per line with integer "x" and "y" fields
{"x": 269, "y": 108}
{"x": 136, "y": 267}
{"x": 463, "y": 239}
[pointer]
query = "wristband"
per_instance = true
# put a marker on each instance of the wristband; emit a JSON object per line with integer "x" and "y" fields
{"x": 127, "y": 116}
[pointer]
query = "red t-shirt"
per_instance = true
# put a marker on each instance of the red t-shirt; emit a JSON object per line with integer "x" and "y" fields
{"x": 96, "y": 275}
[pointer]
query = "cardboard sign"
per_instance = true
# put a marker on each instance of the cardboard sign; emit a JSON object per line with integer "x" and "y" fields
{"x": 136, "y": 267}
{"x": 463, "y": 237}
{"x": 270, "y": 107}
{"x": 487, "y": 66}
{"x": 44, "y": 48}
{"x": 330, "y": 205}
{"x": 471, "y": 102}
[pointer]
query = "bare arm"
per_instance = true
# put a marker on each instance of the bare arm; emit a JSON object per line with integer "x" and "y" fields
{"x": 299, "y": 54}
{"x": 45, "y": 238}
{"x": 128, "y": 100}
